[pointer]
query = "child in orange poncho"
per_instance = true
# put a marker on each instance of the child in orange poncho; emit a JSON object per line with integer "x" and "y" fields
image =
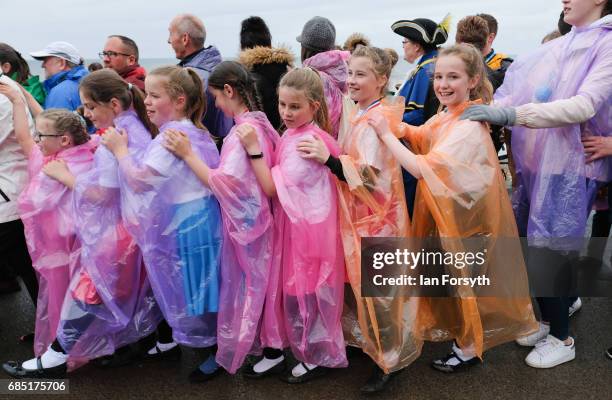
{"x": 461, "y": 194}
{"x": 372, "y": 204}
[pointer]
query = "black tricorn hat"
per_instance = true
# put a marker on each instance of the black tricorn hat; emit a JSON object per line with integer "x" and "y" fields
{"x": 423, "y": 30}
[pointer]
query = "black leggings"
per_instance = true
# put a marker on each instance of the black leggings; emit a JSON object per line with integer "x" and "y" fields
{"x": 14, "y": 256}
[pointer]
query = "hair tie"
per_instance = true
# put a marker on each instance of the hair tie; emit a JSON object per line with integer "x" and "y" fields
{"x": 129, "y": 86}
{"x": 81, "y": 119}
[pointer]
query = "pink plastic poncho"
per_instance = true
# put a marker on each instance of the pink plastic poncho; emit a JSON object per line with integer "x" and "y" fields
{"x": 46, "y": 209}
{"x": 109, "y": 280}
{"x": 248, "y": 239}
{"x": 176, "y": 221}
{"x": 555, "y": 187}
{"x": 312, "y": 256}
{"x": 333, "y": 69}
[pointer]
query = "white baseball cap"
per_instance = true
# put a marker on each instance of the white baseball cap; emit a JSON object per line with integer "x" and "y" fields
{"x": 59, "y": 49}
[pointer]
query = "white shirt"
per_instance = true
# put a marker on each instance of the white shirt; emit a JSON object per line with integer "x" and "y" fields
{"x": 13, "y": 162}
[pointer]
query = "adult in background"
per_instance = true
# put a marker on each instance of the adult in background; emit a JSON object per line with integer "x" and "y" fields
{"x": 14, "y": 257}
{"x": 64, "y": 70}
{"x": 266, "y": 63}
{"x": 13, "y": 65}
{"x": 318, "y": 40}
{"x": 422, "y": 38}
{"x": 495, "y": 61}
{"x": 121, "y": 54}
{"x": 187, "y": 36}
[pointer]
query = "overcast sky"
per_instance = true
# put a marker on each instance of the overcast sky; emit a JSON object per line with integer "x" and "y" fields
{"x": 86, "y": 23}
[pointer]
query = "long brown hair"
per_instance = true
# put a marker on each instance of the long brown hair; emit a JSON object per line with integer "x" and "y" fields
{"x": 308, "y": 81}
{"x": 103, "y": 85}
{"x": 474, "y": 66}
{"x": 186, "y": 82}
{"x": 238, "y": 77}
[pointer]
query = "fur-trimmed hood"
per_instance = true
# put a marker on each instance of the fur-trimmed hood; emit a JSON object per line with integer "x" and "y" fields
{"x": 265, "y": 55}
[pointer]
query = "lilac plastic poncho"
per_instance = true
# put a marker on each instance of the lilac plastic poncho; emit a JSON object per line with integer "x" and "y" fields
{"x": 333, "y": 69}
{"x": 177, "y": 224}
{"x": 555, "y": 187}
{"x": 109, "y": 292}
{"x": 248, "y": 239}
{"x": 46, "y": 209}
{"x": 312, "y": 257}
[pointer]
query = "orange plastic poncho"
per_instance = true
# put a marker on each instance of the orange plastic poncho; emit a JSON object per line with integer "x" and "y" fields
{"x": 372, "y": 204}
{"x": 462, "y": 194}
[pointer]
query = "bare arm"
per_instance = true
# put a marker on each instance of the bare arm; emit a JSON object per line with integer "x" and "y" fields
{"x": 403, "y": 155}
{"x": 250, "y": 142}
{"x": 33, "y": 105}
{"x": 20, "y": 118}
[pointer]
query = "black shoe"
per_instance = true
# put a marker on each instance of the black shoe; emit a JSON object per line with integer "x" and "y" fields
{"x": 443, "y": 365}
{"x": 308, "y": 376}
{"x": 121, "y": 357}
{"x": 248, "y": 371}
{"x": 16, "y": 370}
{"x": 197, "y": 376}
{"x": 174, "y": 354}
{"x": 609, "y": 353}
{"x": 378, "y": 381}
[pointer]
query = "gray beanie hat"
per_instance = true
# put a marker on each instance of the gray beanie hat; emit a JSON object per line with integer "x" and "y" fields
{"x": 318, "y": 34}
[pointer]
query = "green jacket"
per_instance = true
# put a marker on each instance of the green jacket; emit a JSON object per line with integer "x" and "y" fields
{"x": 34, "y": 86}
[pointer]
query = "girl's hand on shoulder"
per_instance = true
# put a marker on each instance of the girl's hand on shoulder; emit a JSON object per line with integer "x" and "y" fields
{"x": 596, "y": 147}
{"x": 313, "y": 148}
{"x": 380, "y": 125}
{"x": 58, "y": 170}
{"x": 115, "y": 141}
{"x": 248, "y": 138}
{"x": 177, "y": 143}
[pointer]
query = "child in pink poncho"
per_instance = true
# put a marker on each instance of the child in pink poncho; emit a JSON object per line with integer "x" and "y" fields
{"x": 249, "y": 277}
{"x": 46, "y": 209}
{"x": 307, "y": 236}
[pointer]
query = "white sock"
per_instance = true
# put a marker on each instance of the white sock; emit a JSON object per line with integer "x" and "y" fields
{"x": 462, "y": 354}
{"x": 49, "y": 359}
{"x": 299, "y": 369}
{"x": 163, "y": 347}
{"x": 266, "y": 363}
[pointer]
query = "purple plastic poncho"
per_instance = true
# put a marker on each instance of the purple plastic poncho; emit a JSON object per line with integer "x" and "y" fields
{"x": 248, "y": 239}
{"x": 312, "y": 256}
{"x": 333, "y": 69}
{"x": 46, "y": 209}
{"x": 109, "y": 291}
{"x": 176, "y": 221}
{"x": 555, "y": 187}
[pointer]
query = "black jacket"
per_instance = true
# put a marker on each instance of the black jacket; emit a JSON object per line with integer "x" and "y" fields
{"x": 267, "y": 65}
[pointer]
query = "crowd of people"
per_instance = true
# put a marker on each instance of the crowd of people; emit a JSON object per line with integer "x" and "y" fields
{"x": 220, "y": 205}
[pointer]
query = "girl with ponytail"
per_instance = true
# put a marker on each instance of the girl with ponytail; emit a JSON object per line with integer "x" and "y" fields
{"x": 174, "y": 219}
{"x": 462, "y": 194}
{"x": 111, "y": 304}
{"x": 248, "y": 278}
{"x": 307, "y": 242}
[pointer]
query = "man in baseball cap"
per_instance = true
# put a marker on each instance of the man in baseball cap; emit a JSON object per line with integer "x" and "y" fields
{"x": 64, "y": 70}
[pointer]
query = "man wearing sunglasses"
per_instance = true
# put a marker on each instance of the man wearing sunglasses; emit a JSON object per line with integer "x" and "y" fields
{"x": 121, "y": 54}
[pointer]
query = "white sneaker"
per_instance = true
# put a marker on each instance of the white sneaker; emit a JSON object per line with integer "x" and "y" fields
{"x": 551, "y": 352}
{"x": 576, "y": 305}
{"x": 531, "y": 340}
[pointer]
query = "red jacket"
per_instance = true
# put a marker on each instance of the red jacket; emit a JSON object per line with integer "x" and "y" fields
{"x": 135, "y": 75}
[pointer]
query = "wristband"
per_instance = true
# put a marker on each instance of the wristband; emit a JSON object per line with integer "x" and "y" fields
{"x": 255, "y": 156}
